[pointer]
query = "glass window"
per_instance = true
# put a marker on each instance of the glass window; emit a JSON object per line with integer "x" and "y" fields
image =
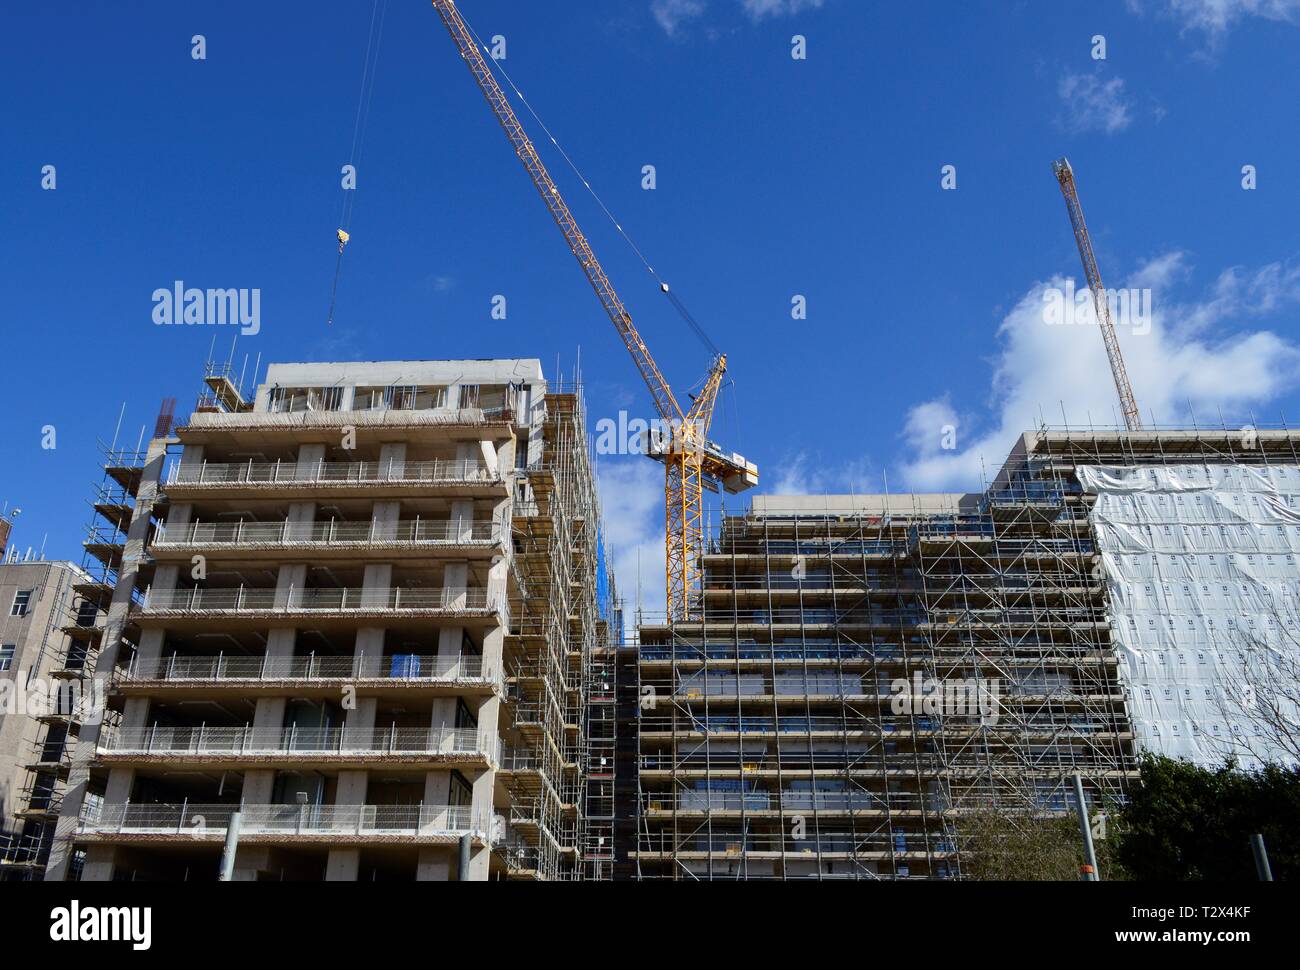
{"x": 7, "y": 655}
{"x": 22, "y": 601}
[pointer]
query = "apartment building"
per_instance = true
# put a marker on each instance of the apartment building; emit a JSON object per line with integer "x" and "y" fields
{"x": 43, "y": 619}
{"x": 366, "y": 610}
{"x": 863, "y": 671}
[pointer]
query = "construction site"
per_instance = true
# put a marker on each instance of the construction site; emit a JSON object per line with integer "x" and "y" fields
{"x": 790, "y": 728}
{"x": 356, "y": 622}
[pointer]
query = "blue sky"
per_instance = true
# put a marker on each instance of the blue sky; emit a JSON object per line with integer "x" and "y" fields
{"x": 776, "y": 177}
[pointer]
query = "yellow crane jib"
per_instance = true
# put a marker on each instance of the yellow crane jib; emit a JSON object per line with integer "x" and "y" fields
{"x": 691, "y": 462}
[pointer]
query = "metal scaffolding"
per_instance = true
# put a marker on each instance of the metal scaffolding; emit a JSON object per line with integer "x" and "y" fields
{"x": 557, "y": 765}
{"x": 793, "y": 731}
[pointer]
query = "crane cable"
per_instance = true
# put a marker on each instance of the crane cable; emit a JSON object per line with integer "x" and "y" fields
{"x": 374, "y": 39}
{"x": 663, "y": 286}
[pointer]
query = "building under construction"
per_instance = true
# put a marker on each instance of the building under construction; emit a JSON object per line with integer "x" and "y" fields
{"x": 358, "y": 627}
{"x": 860, "y": 673}
{"x": 45, "y": 624}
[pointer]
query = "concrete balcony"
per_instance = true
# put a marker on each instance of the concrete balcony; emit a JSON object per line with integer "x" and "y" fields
{"x": 333, "y": 824}
{"x": 182, "y": 607}
{"x": 365, "y": 479}
{"x": 233, "y": 747}
{"x": 332, "y": 540}
{"x": 308, "y": 676}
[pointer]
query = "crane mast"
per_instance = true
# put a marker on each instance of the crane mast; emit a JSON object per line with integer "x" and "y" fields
{"x": 691, "y": 462}
{"x": 1128, "y": 403}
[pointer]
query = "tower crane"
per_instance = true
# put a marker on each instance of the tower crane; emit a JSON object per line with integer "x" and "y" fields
{"x": 692, "y": 463}
{"x": 1128, "y": 403}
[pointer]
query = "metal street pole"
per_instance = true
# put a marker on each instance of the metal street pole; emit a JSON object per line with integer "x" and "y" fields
{"x": 1261, "y": 858}
{"x": 1089, "y": 870}
{"x": 231, "y": 846}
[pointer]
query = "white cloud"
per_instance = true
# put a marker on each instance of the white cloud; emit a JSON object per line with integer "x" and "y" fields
{"x": 671, "y": 14}
{"x": 804, "y": 474}
{"x": 758, "y": 9}
{"x": 1215, "y": 17}
{"x": 632, "y": 506}
{"x": 1092, "y": 104}
{"x": 1042, "y": 369}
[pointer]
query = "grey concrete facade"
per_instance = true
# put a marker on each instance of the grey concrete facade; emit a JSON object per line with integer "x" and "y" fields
{"x": 311, "y": 624}
{"x": 38, "y": 605}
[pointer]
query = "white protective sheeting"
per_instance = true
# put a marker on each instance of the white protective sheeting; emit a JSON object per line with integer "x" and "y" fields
{"x": 1203, "y": 568}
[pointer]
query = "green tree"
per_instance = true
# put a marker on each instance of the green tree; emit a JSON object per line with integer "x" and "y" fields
{"x": 1184, "y": 822}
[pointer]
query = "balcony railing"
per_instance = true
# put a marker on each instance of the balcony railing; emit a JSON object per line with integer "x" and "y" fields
{"x": 293, "y": 740}
{"x": 193, "y": 820}
{"x": 403, "y": 667}
{"x": 431, "y": 531}
{"x": 329, "y": 472}
{"x": 339, "y": 599}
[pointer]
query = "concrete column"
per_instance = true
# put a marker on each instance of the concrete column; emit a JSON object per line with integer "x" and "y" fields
{"x": 290, "y": 579}
{"x": 309, "y": 460}
{"x": 344, "y": 864}
{"x": 450, "y": 639}
{"x": 120, "y": 782}
{"x": 252, "y": 859}
{"x": 469, "y": 452}
{"x": 300, "y": 518}
{"x": 444, "y": 713}
{"x": 384, "y": 519}
{"x": 488, "y": 452}
{"x": 352, "y": 785}
{"x": 434, "y": 865}
{"x": 455, "y": 578}
{"x": 437, "y": 788}
{"x": 99, "y": 863}
{"x": 148, "y": 653}
{"x": 279, "y": 647}
{"x": 497, "y": 576}
{"x": 191, "y": 461}
{"x": 369, "y": 652}
{"x": 178, "y": 521}
{"x": 392, "y": 460}
{"x": 259, "y": 784}
{"x": 135, "y": 713}
{"x": 462, "y": 519}
{"x": 269, "y": 714}
{"x": 359, "y": 724}
{"x": 164, "y": 578}
{"x": 375, "y": 584}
